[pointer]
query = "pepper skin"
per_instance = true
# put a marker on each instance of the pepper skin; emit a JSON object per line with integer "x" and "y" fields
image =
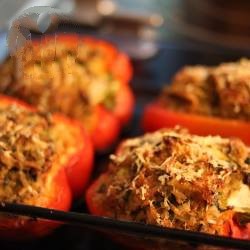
{"x": 156, "y": 117}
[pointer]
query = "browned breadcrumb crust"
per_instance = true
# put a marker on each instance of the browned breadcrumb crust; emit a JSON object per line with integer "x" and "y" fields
{"x": 58, "y": 78}
{"x": 26, "y": 153}
{"x": 173, "y": 179}
{"x": 222, "y": 91}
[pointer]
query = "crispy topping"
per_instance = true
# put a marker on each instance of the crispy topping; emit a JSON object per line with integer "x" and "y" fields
{"x": 26, "y": 153}
{"x": 57, "y": 77}
{"x": 174, "y": 179}
{"x": 222, "y": 91}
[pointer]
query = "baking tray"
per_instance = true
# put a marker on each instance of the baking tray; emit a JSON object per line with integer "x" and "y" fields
{"x": 83, "y": 231}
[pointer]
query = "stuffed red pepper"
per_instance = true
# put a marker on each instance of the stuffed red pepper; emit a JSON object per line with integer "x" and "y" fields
{"x": 206, "y": 100}
{"x": 72, "y": 145}
{"x": 81, "y": 77}
{"x": 31, "y": 170}
{"x": 173, "y": 179}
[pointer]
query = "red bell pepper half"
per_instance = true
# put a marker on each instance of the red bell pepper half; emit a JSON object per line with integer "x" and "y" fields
{"x": 156, "y": 117}
{"x": 70, "y": 134}
{"x": 104, "y": 119}
{"x": 56, "y": 194}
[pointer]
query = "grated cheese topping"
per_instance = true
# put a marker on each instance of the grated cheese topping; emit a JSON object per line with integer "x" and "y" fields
{"x": 174, "y": 179}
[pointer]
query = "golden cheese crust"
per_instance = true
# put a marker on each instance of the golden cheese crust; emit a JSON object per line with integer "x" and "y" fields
{"x": 222, "y": 91}
{"x": 173, "y": 179}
